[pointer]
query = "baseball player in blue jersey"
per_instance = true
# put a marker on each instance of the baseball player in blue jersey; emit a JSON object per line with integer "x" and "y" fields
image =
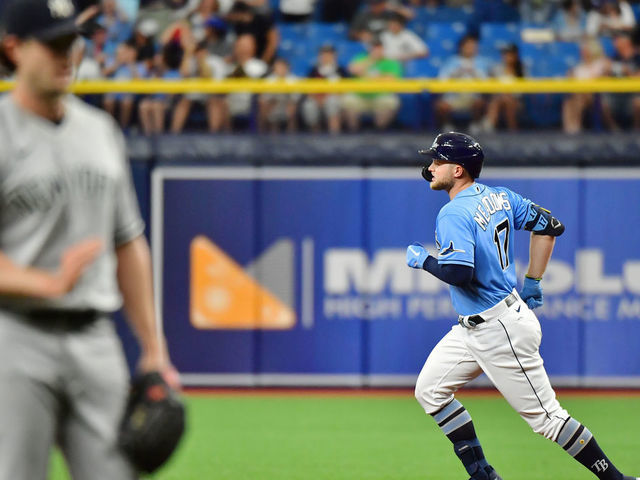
{"x": 497, "y": 331}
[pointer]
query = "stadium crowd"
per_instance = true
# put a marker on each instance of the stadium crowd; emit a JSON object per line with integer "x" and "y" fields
{"x": 332, "y": 39}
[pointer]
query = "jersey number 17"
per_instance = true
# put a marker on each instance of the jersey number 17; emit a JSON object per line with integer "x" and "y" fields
{"x": 501, "y": 239}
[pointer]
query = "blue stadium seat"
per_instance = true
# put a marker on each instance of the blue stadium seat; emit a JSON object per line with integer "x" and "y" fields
{"x": 553, "y": 59}
{"x": 636, "y": 10}
{"x": 444, "y": 14}
{"x": 422, "y": 15}
{"x": 410, "y": 111}
{"x": 329, "y": 32}
{"x": 495, "y": 11}
{"x": 325, "y": 33}
{"x": 489, "y": 52}
{"x": 566, "y": 53}
{"x": 291, "y": 50}
{"x": 607, "y": 46}
{"x": 292, "y": 31}
{"x": 301, "y": 66}
{"x": 418, "y": 26}
{"x": 347, "y": 50}
{"x": 443, "y": 38}
{"x": 499, "y": 35}
{"x": 535, "y": 57}
{"x": 450, "y": 14}
{"x": 543, "y": 110}
{"x": 421, "y": 67}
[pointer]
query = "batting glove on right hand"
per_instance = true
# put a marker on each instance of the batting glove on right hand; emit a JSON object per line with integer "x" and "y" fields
{"x": 416, "y": 255}
{"x": 531, "y": 292}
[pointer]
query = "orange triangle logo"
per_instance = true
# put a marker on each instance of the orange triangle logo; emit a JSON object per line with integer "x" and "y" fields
{"x": 224, "y": 296}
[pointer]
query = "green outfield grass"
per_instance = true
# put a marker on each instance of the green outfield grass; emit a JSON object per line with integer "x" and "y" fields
{"x": 314, "y": 437}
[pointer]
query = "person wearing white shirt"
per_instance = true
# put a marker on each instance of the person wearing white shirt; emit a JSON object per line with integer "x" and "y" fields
{"x": 466, "y": 64}
{"x": 244, "y": 64}
{"x": 296, "y": 11}
{"x": 199, "y": 63}
{"x": 611, "y": 17}
{"x": 400, "y": 43}
{"x": 594, "y": 64}
{"x": 277, "y": 109}
{"x": 318, "y": 105}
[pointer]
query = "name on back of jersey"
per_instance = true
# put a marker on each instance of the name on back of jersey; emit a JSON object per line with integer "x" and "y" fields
{"x": 489, "y": 205}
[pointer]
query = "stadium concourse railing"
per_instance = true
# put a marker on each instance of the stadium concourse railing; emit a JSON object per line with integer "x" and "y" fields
{"x": 406, "y": 85}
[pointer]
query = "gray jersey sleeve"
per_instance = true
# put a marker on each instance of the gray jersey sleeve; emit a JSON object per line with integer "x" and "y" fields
{"x": 128, "y": 222}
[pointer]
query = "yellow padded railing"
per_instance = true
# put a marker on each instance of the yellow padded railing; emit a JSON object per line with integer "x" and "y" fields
{"x": 407, "y": 85}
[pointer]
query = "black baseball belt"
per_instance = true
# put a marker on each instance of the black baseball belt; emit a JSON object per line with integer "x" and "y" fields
{"x": 475, "y": 320}
{"x": 57, "y": 319}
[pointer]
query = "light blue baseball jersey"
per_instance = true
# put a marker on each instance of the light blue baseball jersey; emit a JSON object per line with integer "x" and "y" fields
{"x": 476, "y": 229}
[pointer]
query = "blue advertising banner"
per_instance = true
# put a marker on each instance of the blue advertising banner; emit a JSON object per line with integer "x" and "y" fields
{"x": 297, "y": 275}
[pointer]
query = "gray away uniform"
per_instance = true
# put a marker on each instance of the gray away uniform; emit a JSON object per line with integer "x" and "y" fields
{"x": 63, "y": 373}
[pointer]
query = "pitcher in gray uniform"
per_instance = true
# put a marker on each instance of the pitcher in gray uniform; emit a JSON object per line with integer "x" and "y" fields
{"x": 72, "y": 251}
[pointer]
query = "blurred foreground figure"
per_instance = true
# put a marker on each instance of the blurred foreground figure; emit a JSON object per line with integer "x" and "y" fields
{"x": 71, "y": 251}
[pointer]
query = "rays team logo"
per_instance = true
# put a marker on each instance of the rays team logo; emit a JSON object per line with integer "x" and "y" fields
{"x": 449, "y": 250}
{"x": 61, "y": 8}
{"x": 224, "y": 295}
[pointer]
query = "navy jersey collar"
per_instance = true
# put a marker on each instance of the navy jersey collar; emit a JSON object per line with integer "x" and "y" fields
{"x": 472, "y": 190}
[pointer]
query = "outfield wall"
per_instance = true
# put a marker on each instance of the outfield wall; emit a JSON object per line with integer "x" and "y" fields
{"x": 296, "y": 275}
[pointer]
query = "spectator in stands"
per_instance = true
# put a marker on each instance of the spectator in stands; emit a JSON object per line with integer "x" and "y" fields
{"x": 130, "y": 8}
{"x": 278, "y": 109}
{"x": 372, "y": 20}
{"x": 115, "y": 21}
{"x": 198, "y": 18}
{"x": 593, "y": 65}
{"x": 441, "y": 3}
{"x": 217, "y": 39}
{"x": 507, "y": 104}
{"x": 622, "y": 106}
{"x": 400, "y": 43}
{"x": 570, "y": 22}
{"x": 246, "y": 21}
{"x": 166, "y": 12}
{"x": 466, "y": 64}
{"x": 339, "y": 10}
{"x": 537, "y": 11}
{"x": 610, "y": 17}
{"x": 144, "y": 40}
{"x": 199, "y": 63}
{"x": 87, "y": 68}
{"x": 296, "y": 11}
{"x": 123, "y": 67}
{"x": 383, "y": 106}
{"x": 316, "y": 105}
{"x": 152, "y": 110}
{"x": 261, "y": 7}
{"x": 244, "y": 64}
{"x": 98, "y": 49}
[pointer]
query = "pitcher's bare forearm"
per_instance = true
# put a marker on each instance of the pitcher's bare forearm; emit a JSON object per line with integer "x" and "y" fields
{"x": 25, "y": 281}
{"x": 136, "y": 285}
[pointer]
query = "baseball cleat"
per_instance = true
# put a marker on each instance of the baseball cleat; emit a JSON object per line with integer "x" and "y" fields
{"x": 493, "y": 475}
{"x": 489, "y": 474}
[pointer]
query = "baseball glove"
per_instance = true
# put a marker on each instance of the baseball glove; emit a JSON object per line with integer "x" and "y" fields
{"x": 153, "y": 422}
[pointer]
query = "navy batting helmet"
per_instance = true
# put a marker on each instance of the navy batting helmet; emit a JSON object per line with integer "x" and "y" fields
{"x": 455, "y": 147}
